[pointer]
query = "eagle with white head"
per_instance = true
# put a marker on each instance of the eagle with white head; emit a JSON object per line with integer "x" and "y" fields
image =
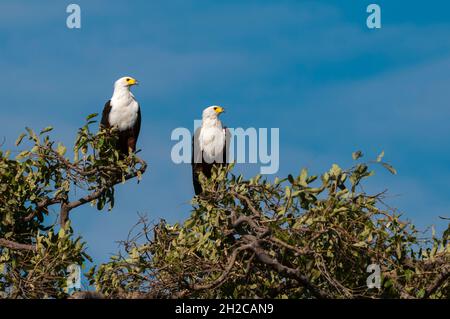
{"x": 210, "y": 145}
{"x": 122, "y": 112}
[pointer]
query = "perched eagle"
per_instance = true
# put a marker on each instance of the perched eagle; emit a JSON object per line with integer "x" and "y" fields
{"x": 210, "y": 145}
{"x": 122, "y": 111}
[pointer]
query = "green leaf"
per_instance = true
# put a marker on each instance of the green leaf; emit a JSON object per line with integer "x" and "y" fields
{"x": 303, "y": 176}
{"x": 288, "y": 191}
{"x": 61, "y": 149}
{"x": 390, "y": 168}
{"x": 380, "y": 157}
{"x": 291, "y": 179}
{"x": 45, "y": 130}
{"x": 421, "y": 293}
{"x": 357, "y": 154}
{"x": 335, "y": 170}
{"x": 22, "y": 155}
{"x": 360, "y": 244}
{"x": 31, "y": 133}
{"x": 398, "y": 250}
{"x": 91, "y": 116}
{"x": 20, "y": 138}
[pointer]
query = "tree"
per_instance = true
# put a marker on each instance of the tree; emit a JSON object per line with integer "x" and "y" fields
{"x": 298, "y": 237}
{"x": 35, "y": 254}
{"x": 301, "y": 237}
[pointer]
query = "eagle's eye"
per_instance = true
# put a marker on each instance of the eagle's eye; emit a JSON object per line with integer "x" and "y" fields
{"x": 215, "y": 109}
{"x": 128, "y": 79}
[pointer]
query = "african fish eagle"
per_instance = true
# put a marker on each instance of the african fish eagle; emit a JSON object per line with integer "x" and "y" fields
{"x": 210, "y": 145}
{"x": 122, "y": 112}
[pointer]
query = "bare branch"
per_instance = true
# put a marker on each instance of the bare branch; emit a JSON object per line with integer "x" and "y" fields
{"x": 67, "y": 207}
{"x": 438, "y": 281}
{"x": 17, "y": 246}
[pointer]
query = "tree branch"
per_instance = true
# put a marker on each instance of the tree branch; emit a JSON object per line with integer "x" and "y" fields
{"x": 219, "y": 281}
{"x": 67, "y": 207}
{"x": 16, "y": 246}
{"x": 290, "y": 272}
{"x": 43, "y": 204}
{"x": 437, "y": 283}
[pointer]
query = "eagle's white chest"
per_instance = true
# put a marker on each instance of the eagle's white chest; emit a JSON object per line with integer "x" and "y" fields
{"x": 124, "y": 112}
{"x": 212, "y": 142}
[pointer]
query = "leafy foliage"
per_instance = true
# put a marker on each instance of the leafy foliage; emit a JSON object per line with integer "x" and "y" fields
{"x": 34, "y": 254}
{"x": 300, "y": 237}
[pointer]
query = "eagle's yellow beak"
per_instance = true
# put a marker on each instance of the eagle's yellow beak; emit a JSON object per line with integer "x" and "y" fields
{"x": 132, "y": 81}
{"x": 219, "y": 109}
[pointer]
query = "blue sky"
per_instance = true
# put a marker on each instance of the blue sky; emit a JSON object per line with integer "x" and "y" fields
{"x": 311, "y": 68}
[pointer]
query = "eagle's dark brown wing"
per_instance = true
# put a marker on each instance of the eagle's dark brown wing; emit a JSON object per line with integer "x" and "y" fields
{"x": 196, "y": 162}
{"x": 134, "y": 132}
{"x": 226, "y": 148}
{"x": 105, "y": 115}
